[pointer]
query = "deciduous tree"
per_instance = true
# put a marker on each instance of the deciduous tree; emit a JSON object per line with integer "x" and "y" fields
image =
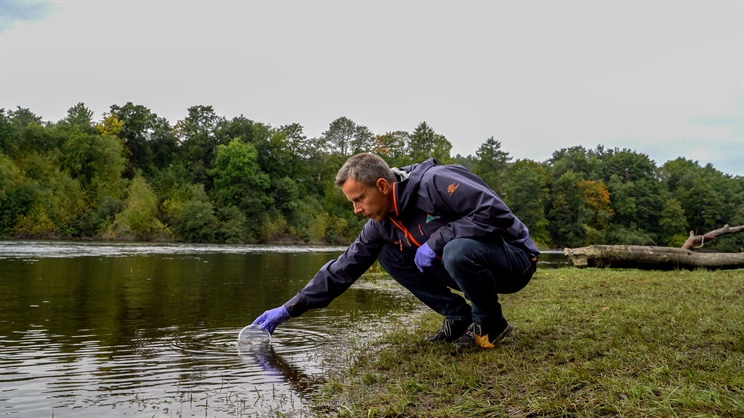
{"x": 137, "y": 129}
{"x": 526, "y": 194}
{"x": 198, "y": 140}
{"x": 80, "y": 118}
{"x": 345, "y": 137}
{"x": 139, "y": 216}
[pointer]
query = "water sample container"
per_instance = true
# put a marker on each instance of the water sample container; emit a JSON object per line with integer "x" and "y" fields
{"x": 252, "y": 335}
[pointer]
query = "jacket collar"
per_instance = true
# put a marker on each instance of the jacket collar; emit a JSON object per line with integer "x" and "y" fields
{"x": 408, "y": 185}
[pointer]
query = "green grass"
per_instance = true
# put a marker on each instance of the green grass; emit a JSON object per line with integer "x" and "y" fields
{"x": 593, "y": 342}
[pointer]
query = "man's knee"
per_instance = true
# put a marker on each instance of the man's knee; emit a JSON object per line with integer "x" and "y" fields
{"x": 455, "y": 248}
{"x": 457, "y": 253}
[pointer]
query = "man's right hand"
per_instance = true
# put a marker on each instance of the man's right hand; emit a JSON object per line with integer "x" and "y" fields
{"x": 271, "y": 319}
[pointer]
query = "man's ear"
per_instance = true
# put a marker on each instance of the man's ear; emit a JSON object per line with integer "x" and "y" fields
{"x": 383, "y": 185}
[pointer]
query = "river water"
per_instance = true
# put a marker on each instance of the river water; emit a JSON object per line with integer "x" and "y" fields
{"x": 104, "y": 329}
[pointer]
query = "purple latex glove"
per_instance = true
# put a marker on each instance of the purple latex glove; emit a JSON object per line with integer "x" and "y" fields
{"x": 424, "y": 257}
{"x": 271, "y": 319}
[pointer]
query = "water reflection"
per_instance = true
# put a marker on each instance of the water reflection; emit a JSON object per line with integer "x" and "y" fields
{"x": 263, "y": 357}
{"x": 90, "y": 330}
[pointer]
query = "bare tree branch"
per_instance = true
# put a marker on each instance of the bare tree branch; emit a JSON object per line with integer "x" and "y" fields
{"x": 698, "y": 241}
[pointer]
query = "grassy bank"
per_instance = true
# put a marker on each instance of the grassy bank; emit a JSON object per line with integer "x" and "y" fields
{"x": 588, "y": 343}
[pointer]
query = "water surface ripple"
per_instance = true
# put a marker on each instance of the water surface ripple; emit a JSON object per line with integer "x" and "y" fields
{"x": 109, "y": 329}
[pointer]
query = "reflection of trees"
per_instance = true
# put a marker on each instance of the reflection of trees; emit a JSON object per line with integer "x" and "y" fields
{"x": 123, "y": 329}
{"x": 116, "y": 300}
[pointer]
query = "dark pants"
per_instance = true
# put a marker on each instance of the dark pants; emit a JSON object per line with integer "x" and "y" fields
{"x": 481, "y": 270}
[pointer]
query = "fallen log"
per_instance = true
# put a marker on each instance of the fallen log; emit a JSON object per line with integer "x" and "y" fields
{"x": 652, "y": 258}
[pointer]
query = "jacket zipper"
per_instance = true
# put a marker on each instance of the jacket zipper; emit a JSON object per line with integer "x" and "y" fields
{"x": 408, "y": 235}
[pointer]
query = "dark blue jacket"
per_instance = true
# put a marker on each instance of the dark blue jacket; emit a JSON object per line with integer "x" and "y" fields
{"x": 432, "y": 203}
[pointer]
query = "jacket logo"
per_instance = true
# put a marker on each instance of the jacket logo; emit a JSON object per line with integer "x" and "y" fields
{"x": 452, "y": 187}
{"x": 430, "y": 218}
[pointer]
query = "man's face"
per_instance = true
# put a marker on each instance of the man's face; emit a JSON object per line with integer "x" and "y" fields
{"x": 370, "y": 202}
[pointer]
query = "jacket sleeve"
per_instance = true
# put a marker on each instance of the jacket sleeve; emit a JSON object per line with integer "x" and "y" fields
{"x": 338, "y": 275}
{"x": 474, "y": 209}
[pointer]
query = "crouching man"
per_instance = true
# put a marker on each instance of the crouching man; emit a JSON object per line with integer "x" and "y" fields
{"x": 433, "y": 228}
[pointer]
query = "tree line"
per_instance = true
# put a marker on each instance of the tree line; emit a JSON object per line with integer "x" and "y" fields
{"x": 207, "y": 178}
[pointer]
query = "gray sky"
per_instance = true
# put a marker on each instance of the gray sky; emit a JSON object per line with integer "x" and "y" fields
{"x": 665, "y": 79}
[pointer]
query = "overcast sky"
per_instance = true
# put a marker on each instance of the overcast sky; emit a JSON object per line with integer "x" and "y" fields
{"x": 665, "y": 79}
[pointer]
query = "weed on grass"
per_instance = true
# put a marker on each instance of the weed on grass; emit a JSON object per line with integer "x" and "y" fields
{"x": 592, "y": 342}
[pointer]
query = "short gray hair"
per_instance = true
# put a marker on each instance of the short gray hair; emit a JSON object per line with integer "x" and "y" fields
{"x": 365, "y": 168}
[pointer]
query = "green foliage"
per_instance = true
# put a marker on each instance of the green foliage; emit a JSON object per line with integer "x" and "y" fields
{"x": 8, "y": 133}
{"x": 96, "y": 222}
{"x": 420, "y": 143}
{"x": 567, "y": 214}
{"x": 638, "y": 198}
{"x": 673, "y": 224}
{"x": 242, "y": 128}
{"x": 236, "y": 173}
{"x": 67, "y": 203}
{"x": 139, "y": 216}
{"x": 197, "y": 221}
{"x": 273, "y": 228}
{"x": 527, "y": 194}
{"x": 239, "y": 181}
{"x": 22, "y": 117}
{"x": 150, "y": 143}
{"x": 709, "y": 198}
{"x": 47, "y": 203}
{"x": 733, "y": 242}
{"x": 173, "y": 182}
{"x": 58, "y": 202}
{"x": 12, "y": 202}
{"x": 576, "y": 159}
{"x": 302, "y": 219}
{"x": 424, "y": 143}
{"x": 198, "y": 140}
{"x": 466, "y": 161}
{"x": 96, "y": 161}
{"x": 632, "y": 235}
{"x": 338, "y": 232}
{"x": 107, "y": 169}
{"x": 10, "y": 175}
{"x": 344, "y": 137}
{"x": 210, "y": 179}
{"x": 36, "y": 138}
{"x": 390, "y": 146}
{"x": 285, "y": 196}
{"x": 232, "y": 226}
{"x": 79, "y": 118}
{"x": 492, "y": 164}
{"x": 14, "y": 132}
{"x": 318, "y": 228}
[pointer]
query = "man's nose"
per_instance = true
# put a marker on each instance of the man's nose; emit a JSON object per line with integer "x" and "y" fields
{"x": 357, "y": 208}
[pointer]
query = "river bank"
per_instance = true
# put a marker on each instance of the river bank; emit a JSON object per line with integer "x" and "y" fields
{"x": 590, "y": 342}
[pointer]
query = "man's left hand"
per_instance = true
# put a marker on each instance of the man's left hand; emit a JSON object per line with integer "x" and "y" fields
{"x": 424, "y": 257}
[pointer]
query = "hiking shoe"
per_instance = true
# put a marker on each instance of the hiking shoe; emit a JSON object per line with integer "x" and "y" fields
{"x": 475, "y": 337}
{"x": 451, "y": 330}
